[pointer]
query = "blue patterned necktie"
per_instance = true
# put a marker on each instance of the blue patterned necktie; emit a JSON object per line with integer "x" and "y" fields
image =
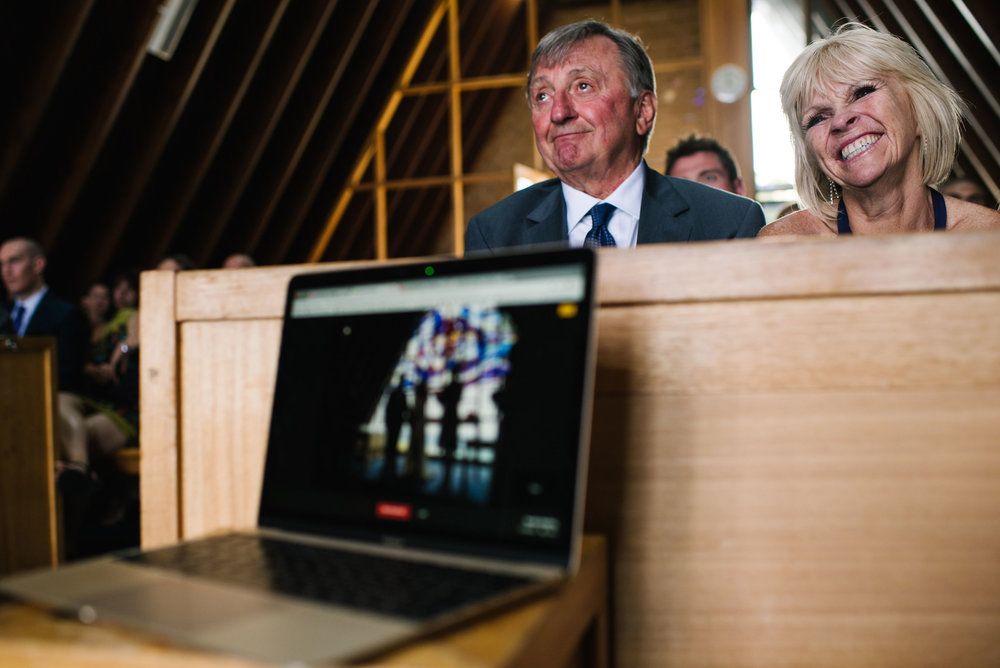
{"x": 599, "y": 234}
{"x": 16, "y": 318}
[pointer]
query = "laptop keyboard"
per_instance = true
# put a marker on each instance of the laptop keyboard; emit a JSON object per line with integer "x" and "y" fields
{"x": 412, "y": 590}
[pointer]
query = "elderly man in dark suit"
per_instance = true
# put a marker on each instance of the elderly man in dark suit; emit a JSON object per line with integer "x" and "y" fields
{"x": 592, "y": 94}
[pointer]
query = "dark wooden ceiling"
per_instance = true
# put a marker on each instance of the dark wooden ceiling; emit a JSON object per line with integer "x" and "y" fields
{"x": 244, "y": 140}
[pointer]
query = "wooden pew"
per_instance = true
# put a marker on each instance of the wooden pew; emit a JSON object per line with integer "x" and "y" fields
{"x": 30, "y": 532}
{"x": 795, "y": 447}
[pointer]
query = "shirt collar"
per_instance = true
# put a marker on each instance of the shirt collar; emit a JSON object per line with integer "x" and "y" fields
{"x": 30, "y": 303}
{"x": 627, "y": 197}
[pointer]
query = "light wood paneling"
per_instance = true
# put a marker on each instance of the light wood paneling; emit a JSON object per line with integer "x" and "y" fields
{"x": 821, "y": 528}
{"x": 785, "y": 268}
{"x": 801, "y": 344}
{"x": 227, "y": 409}
{"x": 159, "y": 454}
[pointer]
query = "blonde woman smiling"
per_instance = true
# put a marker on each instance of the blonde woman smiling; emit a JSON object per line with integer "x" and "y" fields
{"x": 873, "y": 130}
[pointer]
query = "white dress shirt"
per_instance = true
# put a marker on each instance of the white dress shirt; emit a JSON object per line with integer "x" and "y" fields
{"x": 30, "y": 303}
{"x": 624, "y": 224}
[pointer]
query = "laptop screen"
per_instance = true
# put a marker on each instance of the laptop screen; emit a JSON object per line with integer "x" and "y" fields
{"x": 436, "y": 404}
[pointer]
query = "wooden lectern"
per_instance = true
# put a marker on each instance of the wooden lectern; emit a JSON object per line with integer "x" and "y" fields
{"x": 30, "y": 530}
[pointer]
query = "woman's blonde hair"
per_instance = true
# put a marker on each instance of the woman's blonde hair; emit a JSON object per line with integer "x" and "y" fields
{"x": 851, "y": 54}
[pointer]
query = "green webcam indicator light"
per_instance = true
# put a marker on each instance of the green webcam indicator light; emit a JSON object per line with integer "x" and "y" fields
{"x": 428, "y": 270}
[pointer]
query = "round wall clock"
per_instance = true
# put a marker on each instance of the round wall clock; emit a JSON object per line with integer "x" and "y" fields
{"x": 729, "y": 83}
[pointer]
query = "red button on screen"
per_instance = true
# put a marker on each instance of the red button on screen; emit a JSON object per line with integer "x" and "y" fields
{"x": 393, "y": 511}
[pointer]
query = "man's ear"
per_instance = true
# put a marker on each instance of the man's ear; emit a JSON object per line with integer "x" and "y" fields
{"x": 645, "y": 112}
{"x": 738, "y": 185}
{"x": 38, "y": 264}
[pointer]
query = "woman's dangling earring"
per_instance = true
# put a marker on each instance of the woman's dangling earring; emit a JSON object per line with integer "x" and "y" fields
{"x": 832, "y": 191}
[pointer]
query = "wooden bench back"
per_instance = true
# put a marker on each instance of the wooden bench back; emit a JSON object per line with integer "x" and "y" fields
{"x": 795, "y": 447}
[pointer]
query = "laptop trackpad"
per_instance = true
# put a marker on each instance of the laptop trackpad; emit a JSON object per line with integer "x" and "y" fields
{"x": 178, "y": 605}
{"x": 249, "y": 623}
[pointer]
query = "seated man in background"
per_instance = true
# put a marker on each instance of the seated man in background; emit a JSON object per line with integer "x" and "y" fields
{"x": 704, "y": 160}
{"x": 967, "y": 189}
{"x": 35, "y": 311}
{"x": 177, "y": 262}
{"x": 592, "y": 94}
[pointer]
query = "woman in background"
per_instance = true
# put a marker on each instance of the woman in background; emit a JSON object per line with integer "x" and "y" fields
{"x": 97, "y": 423}
{"x": 105, "y": 418}
{"x": 96, "y": 305}
{"x": 873, "y": 129}
{"x": 111, "y": 403}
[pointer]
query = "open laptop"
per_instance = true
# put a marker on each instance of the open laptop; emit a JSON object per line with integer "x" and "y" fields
{"x": 433, "y": 412}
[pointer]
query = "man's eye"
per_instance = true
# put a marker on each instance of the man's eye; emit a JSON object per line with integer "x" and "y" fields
{"x": 584, "y": 86}
{"x": 541, "y": 97}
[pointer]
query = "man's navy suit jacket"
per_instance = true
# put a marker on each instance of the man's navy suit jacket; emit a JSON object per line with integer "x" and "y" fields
{"x": 672, "y": 210}
{"x": 56, "y": 317}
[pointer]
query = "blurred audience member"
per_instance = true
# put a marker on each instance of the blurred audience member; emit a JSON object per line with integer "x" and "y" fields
{"x": 103, "y": 419}
{"x": 969, "y": 190}
{"x": 177, "y": 262}
{"x": 109, "y": 352}
{"x": 35, "y": 311}
{"x": 704, "y": 160}
{"x": 238, "y": 261}
{"x": 791, "y": 207}
{"x": 96, "y": 305}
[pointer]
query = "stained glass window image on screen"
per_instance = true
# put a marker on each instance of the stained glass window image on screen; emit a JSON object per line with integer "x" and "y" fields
{"x": 436, "y": 425}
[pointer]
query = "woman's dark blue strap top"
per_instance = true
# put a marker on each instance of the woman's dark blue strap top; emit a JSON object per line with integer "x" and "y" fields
{"x": 940, "y": 214}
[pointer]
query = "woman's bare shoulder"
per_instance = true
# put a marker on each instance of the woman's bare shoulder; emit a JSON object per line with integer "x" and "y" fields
{"x": 964, "y": 215}
{"x": 798, "y": 223}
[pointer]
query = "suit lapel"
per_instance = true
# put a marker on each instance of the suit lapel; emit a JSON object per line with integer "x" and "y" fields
{"x": 660, "y": 219}
{"x": 39, "y": 318}
{"x": 547, "y": 221}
